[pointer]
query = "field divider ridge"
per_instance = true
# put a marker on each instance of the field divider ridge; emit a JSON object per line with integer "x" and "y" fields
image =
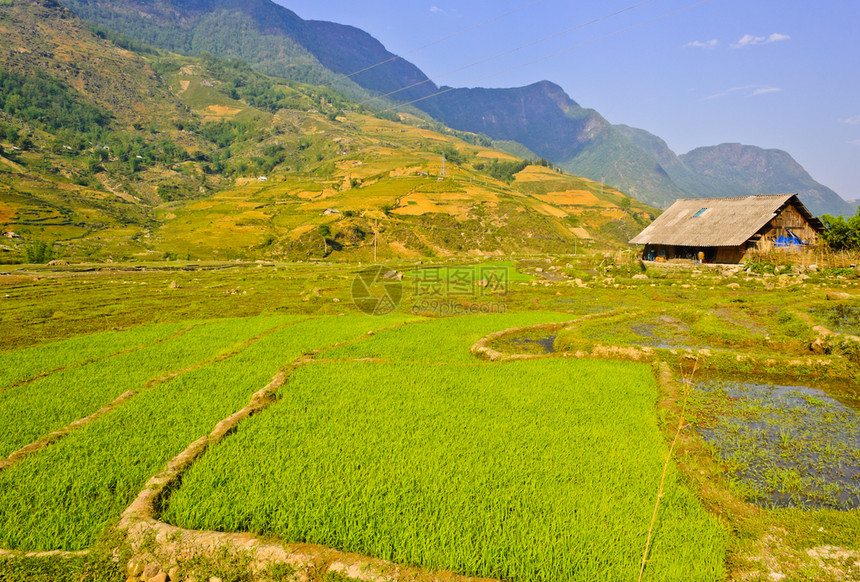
{"x": 58, "y": 434}
{"x": 713, "y": 359}
{"x": 481, "y": 348}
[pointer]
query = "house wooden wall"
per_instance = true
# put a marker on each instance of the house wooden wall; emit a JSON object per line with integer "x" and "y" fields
{"x": 788, "y": 218}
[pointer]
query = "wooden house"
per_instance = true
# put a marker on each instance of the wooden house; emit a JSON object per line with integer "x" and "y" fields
{"x": 725, "y": 229}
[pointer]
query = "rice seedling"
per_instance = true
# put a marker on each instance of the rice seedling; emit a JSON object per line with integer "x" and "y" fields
{"x": 65, "y": 495}
{"x": 442, "y": 340}
{"x": 28, "y": 363}
{"x": 56, "y": 400}
{"x": 540, "y": 470}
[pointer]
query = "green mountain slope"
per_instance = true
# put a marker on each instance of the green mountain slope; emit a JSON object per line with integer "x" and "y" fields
{"x": 270, "y": 37}
{"x": 540, "y": 117}
{"x": 116, "y": 153}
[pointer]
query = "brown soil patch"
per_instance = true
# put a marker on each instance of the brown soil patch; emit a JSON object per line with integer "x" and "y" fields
{"x": 548, "y": 210}
{"x": 297, "y": 232}
{"x": 419, "y": 203}
{"x": 493, "y": 155}
{"x": 571, "y": 198}
{"x": 402, "y": 251}
{"x": 221, "y": 111}
{"x": 536, "y": 174}
{"x": 7, "y": 213}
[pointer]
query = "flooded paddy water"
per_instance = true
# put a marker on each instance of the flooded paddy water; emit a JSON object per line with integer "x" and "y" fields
{"x": 840, "y": 318}
{"x": 787, "y": 446}
{"x": 529, "y": 342}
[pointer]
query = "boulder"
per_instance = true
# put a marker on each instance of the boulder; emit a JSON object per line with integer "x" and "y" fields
{"x": 819, "y": 346}
{"x": 838, "y": 296}
{"x": 135, "y": 568}
{"x": 151, "y": 570}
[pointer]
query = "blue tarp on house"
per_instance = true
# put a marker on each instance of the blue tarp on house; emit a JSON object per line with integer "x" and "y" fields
{"x": 789, "y": 241}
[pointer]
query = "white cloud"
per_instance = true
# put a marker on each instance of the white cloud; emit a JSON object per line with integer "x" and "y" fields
{"x": 746, "y": 90}
{"x": 776, "y": 37}
{"x": 855, "y": 142}
{"x": 747, "y": 40}
{"x": 708, "y": 44}
{"x": 765, "y": 90}
{"x": 852, "y": 120}
{"x": 437, "y": 10}
{"x": 750, "y": 40}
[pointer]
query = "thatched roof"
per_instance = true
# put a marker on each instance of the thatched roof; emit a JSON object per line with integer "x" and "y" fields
{"x": 717, "y": 222}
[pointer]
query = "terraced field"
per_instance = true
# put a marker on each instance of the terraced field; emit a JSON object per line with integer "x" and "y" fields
{"x": 314, "y": 443}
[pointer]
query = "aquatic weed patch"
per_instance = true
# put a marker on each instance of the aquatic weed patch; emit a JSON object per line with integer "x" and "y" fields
{"x": 527, "y": 342}
{"x": 839, "y": 318}
{"x": 789, "y": 446}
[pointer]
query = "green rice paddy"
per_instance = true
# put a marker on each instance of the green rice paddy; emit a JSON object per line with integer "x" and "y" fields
{"x": 389, "y": 439}
{"x": 63, "y": 496}
{"x": 542, "y": 470}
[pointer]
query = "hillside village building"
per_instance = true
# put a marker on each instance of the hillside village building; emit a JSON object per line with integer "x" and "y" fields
{"x": 725, "y": 229}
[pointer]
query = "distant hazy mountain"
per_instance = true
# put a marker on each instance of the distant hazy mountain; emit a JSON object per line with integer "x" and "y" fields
{"x": 733, "y": 169}
{"x": 541, "y": 117}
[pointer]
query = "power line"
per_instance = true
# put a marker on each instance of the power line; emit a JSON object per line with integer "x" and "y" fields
{"x": 519, "y": 48}
{"x": 435, "y": 42}
{"x": 556, "y": 53}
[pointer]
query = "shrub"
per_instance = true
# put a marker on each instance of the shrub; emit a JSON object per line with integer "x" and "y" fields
{"x": 39, "y": 251}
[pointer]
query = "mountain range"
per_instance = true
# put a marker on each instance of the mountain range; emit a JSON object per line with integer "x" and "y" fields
{"x": 113, "y": 149}
{"x": 539, "y": 120}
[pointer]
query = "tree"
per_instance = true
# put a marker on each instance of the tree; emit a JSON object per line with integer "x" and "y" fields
{"x": 842, "y": 234}
{"x": 325, "y": 232}
{"x": 39, "y": 251}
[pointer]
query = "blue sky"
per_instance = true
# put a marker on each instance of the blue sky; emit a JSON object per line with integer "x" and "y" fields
{"x": 773, "y": 73}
